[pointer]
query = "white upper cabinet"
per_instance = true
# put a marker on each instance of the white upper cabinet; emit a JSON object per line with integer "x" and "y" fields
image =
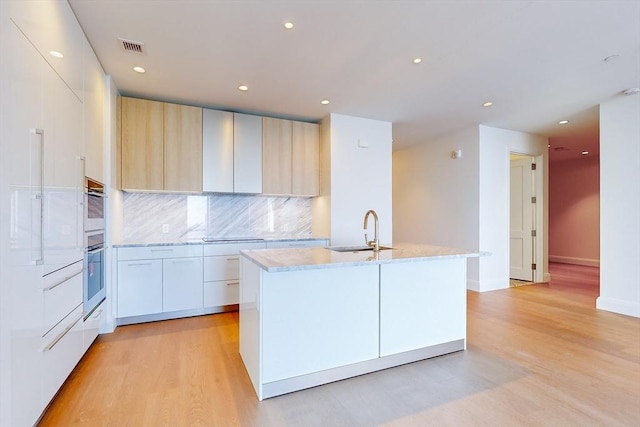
{"x": 217, "y": 151}
{"x": 247, "y": 153}
{"x": 94, "y": 101}
{"x": 52, "y": 27}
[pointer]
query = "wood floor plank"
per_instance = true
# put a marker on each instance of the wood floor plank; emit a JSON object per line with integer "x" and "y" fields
{"x": 537, "y": 355}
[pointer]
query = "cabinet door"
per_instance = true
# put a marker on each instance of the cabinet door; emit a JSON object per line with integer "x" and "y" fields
{"x": 63, "y": 173}
{"x": 182, "y": 284}
{"x": 217, "y": 151}
{"x": 276, "y": 156}
{"x": 421, "y": 304}
{"x": 306, "y": 165}
{"x": 94, "y": 93}
{"x": 247, "y": 154}
{"x": 142, "y": 156}
{"x": 182, "y": 148}
{"x": 139, "y": 287}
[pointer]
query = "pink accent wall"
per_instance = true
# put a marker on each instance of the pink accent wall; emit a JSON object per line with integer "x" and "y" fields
{"x": 574, "y": 211}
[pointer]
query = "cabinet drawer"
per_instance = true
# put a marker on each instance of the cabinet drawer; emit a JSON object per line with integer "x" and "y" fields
{"x": 297, "y": 244}
{"x": 225, "y": 267}
{"x": 62, "y": 349}
{"x": 221, "y": 293}
{"x": 62, "y": 293}
{"x": 159, "y": 252}
{"x": 231, "y": 248}
{"x": 91, "y": 326}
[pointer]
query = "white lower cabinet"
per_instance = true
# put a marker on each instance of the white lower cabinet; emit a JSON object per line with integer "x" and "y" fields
{"x": 181, "y": 284}
{"x": 62, "y": 350}
{"x": 91, "y": 326}
{"x": 154, "y": 280}
{"x": 139, "y": 287}
{"x": 222, "y": 272}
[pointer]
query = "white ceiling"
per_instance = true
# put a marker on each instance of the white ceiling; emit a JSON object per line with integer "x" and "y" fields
{"x": 538, "y": 61}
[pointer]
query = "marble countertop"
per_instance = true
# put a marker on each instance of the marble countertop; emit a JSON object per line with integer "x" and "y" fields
{"x": 216, "y": 240}
{"x": 275, "y": 260}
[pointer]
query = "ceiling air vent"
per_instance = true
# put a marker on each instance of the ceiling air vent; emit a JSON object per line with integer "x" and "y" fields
{"x": 131, "y": 46}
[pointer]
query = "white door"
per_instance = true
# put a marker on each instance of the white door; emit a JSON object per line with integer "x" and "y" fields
{"x": 521, "y": 219}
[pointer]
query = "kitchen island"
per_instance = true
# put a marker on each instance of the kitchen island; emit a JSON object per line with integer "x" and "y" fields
{"x": 312, "y": 316}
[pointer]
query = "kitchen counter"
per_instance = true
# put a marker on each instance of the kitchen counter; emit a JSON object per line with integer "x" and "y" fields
{"x": 310, "y": 316}
{"x": 216, "y": 240}
{"x": 274, "y": 260}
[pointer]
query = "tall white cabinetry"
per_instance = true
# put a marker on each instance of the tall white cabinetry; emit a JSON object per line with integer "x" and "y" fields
{"x": 41, "y": 179}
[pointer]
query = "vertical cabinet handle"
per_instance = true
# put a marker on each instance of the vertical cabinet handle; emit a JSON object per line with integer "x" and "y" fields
{"x": 39, "y": 195}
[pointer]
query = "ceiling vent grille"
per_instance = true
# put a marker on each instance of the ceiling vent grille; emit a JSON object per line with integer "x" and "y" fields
{"x": 132, "y": 46}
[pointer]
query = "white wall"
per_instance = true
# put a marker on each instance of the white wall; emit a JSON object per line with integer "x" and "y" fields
{"x": 360, "y": 179}
{"x": 465, "y": 202}
{"x": 435, "y": 198}
{"x": 496, "y": 145}
{"x": 620, "y": 206}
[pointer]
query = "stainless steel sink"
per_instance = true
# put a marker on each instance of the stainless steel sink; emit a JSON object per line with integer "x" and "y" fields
{"x": 355, "y": 248}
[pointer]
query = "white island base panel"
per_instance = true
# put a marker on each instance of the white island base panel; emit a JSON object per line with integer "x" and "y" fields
{"x": 303, "y": 328}
{"x": 302, "y": 382}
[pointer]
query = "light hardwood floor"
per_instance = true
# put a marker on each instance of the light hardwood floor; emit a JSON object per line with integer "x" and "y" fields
{"x": 538, "y": 355}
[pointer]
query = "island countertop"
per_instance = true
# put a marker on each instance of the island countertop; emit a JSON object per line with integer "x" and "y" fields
{"x": 277, "y": 260}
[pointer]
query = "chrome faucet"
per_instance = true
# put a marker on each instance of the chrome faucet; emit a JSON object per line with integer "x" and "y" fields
{"x": 375, "y": 243}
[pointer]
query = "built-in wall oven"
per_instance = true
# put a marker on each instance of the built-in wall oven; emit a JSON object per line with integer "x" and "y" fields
{"x": 94, "y": 206}
{"x": 94, "y": 283}
{"x": 94, "y": 246}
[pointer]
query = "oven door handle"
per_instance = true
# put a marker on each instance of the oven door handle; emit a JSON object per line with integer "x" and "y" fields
{"x": 95, "y": 251}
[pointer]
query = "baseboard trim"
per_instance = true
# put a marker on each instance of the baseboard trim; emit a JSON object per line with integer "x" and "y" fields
{"x": 576, "y": 261}
{"x": 487, "y": 285}
{"x": 628, "y": 308}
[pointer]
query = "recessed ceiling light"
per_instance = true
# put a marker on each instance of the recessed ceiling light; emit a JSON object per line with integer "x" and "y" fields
{"x": 139, "y": 70}
{"x": 631, "y": 91}
{"x": 324, "y": 102}
{"x": 563, "y": 122}
{"x": 584, "y": 153}
{"x": 288, "y": 25}
{"x": 487, "y": 104}
{"x": 56, "y": 54}
{"x": 417, "y": 60}
{"x": 243, "y": 88}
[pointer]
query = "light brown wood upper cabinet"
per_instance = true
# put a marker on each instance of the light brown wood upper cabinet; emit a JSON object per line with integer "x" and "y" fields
{"x": 160, "y": 146}
{"x": 142, "y": 144}
{"x": 305, "y": 159}
{"x": 276, "y": 156}
{"x": 182, "y": 148}
{"x": 290, "y": 157}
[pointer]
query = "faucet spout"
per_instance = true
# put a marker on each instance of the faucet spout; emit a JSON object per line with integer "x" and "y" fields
{"x": 375, "y": 243}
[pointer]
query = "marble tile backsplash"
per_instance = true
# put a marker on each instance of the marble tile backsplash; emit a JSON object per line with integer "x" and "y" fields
{"x": 188, "y": 217}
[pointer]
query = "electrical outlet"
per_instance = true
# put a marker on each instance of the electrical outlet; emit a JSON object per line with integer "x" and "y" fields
{"x": 165, "y": 228}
